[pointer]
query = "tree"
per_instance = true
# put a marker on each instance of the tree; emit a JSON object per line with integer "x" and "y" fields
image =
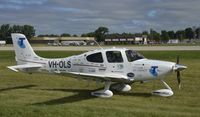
{"x": 28, "y": 31}
{"x": 171, "y": 34}
{"x": 17, "y": 29}
{"x": 189, "y": 33}
{"x": 90, "y": 34}
{"x": 145, "y": 33}
{"x": 138, "y": 34}
{"x": 123, "y": 35}
{"x": 151, "y": 34}
{"x": 65, "y": 35}
{"x": 180, "y": 34}
{"x": 5, "y": 31}
{"x": 164, "y": 36}
{"x": 100, "y": 33}
{"x": 157, "y": 37}
{"x": 197, "y": 33}
{"x": 113, "y": 35}
{"x": 154, "y": 35}
{"x": 74, "y": 35}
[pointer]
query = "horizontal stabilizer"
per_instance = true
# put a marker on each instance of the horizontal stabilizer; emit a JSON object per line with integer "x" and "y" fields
{"x": 25, "y": 66}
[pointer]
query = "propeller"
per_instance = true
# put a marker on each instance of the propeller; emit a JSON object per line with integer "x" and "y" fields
{"x": 177, "y": 69}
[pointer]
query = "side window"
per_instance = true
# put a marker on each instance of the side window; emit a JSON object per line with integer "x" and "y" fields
{"x": 96, "y": 58}
{"x": 114, "y": 56}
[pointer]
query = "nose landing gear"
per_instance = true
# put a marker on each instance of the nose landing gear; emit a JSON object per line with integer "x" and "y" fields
{"x": 163, "y": 92}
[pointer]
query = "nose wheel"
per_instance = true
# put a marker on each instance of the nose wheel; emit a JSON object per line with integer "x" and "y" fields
{"x": 164, "y": 92}
{"x": 105, "y": 93}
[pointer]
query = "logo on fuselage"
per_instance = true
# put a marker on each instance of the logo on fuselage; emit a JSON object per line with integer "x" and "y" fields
{"x": 21, "y": 42}
{"x": 154, "y": 71}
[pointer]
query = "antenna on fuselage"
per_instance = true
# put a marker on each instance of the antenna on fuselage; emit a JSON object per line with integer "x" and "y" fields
{"x": 98, "y": 44}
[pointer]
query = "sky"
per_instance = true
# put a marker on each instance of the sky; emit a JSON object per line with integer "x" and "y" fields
{"x": 83, "y": 16}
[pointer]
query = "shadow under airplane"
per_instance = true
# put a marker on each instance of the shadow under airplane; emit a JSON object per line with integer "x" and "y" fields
{"x": 138, "y": 94}
{"x": 17, "y": 87}
{"x": 82, "y": 94}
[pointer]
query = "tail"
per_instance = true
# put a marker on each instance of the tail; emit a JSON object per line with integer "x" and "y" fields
{"x": 23, "y": 50}
{"x": 24, "y": 55}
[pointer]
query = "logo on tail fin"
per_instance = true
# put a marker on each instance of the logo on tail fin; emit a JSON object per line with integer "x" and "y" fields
{"x": 21, "y": 42}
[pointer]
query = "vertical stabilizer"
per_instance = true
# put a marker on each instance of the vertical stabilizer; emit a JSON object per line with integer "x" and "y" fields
{"x": 23, "y": 49}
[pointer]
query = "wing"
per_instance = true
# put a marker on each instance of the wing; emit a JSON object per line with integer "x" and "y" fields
{"x": 107, "y": 77}
{"x": 16, "y": 68}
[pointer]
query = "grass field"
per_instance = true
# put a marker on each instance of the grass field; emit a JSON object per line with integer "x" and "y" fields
{"x": 44, "y": 95}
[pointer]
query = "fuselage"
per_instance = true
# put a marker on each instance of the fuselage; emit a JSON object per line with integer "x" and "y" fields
{"x": 116, "y": 62}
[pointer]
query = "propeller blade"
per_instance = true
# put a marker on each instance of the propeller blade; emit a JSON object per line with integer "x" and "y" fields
{"x": 179, "y": 79}
{"x": 177, "y": 60}
{"x": 178, "y": 69}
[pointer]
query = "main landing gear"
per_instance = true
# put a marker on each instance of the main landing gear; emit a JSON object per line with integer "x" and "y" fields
{"x": 121, "y": 87}
{"x": 105, "y": 93}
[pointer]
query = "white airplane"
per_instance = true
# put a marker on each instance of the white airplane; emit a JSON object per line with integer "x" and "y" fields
{"x": 116, "y": 65}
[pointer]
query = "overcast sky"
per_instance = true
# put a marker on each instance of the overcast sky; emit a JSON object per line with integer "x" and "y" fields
{"x": 82, "y": 16}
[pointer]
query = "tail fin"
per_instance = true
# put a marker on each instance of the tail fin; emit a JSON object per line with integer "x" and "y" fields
{"x": 23, "y": 49}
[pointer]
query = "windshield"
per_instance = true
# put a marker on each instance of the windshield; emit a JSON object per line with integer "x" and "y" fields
{"x": 133, "y": 55}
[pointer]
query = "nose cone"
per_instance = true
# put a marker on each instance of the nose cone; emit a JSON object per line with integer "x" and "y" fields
{"x": 179, "y": 67}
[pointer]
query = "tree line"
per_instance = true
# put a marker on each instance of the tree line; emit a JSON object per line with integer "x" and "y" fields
{"x": 165, "y": 36}
{"x": 6, "y": 30}
{"x": 161, "y": 37}
{"x": 102, "y": 33}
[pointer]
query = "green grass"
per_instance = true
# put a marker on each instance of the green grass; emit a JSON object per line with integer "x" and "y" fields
{"x": 48, "y": 95}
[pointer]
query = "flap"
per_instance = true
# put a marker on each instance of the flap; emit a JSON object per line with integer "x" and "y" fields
{"x": 116, "y": 76}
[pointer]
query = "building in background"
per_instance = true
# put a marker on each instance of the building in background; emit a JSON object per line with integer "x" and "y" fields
{"x": 133, "y": 40}
{"x": 173, "y": 41}
{"x": 2, "y": 43}
{"x": 63, "y": 41}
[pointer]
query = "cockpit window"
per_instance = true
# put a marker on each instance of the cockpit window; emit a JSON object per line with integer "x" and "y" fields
{"x": 133, "y": 55}
{"x": 114, "y": 56}
{"x": 96, "y": 58}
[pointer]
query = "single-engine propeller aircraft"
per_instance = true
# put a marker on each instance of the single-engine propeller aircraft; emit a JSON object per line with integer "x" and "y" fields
{"x": 116, "y": 65}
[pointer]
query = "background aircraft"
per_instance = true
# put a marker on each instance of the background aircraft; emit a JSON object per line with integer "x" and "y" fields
{"x": 116, "y": 65}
